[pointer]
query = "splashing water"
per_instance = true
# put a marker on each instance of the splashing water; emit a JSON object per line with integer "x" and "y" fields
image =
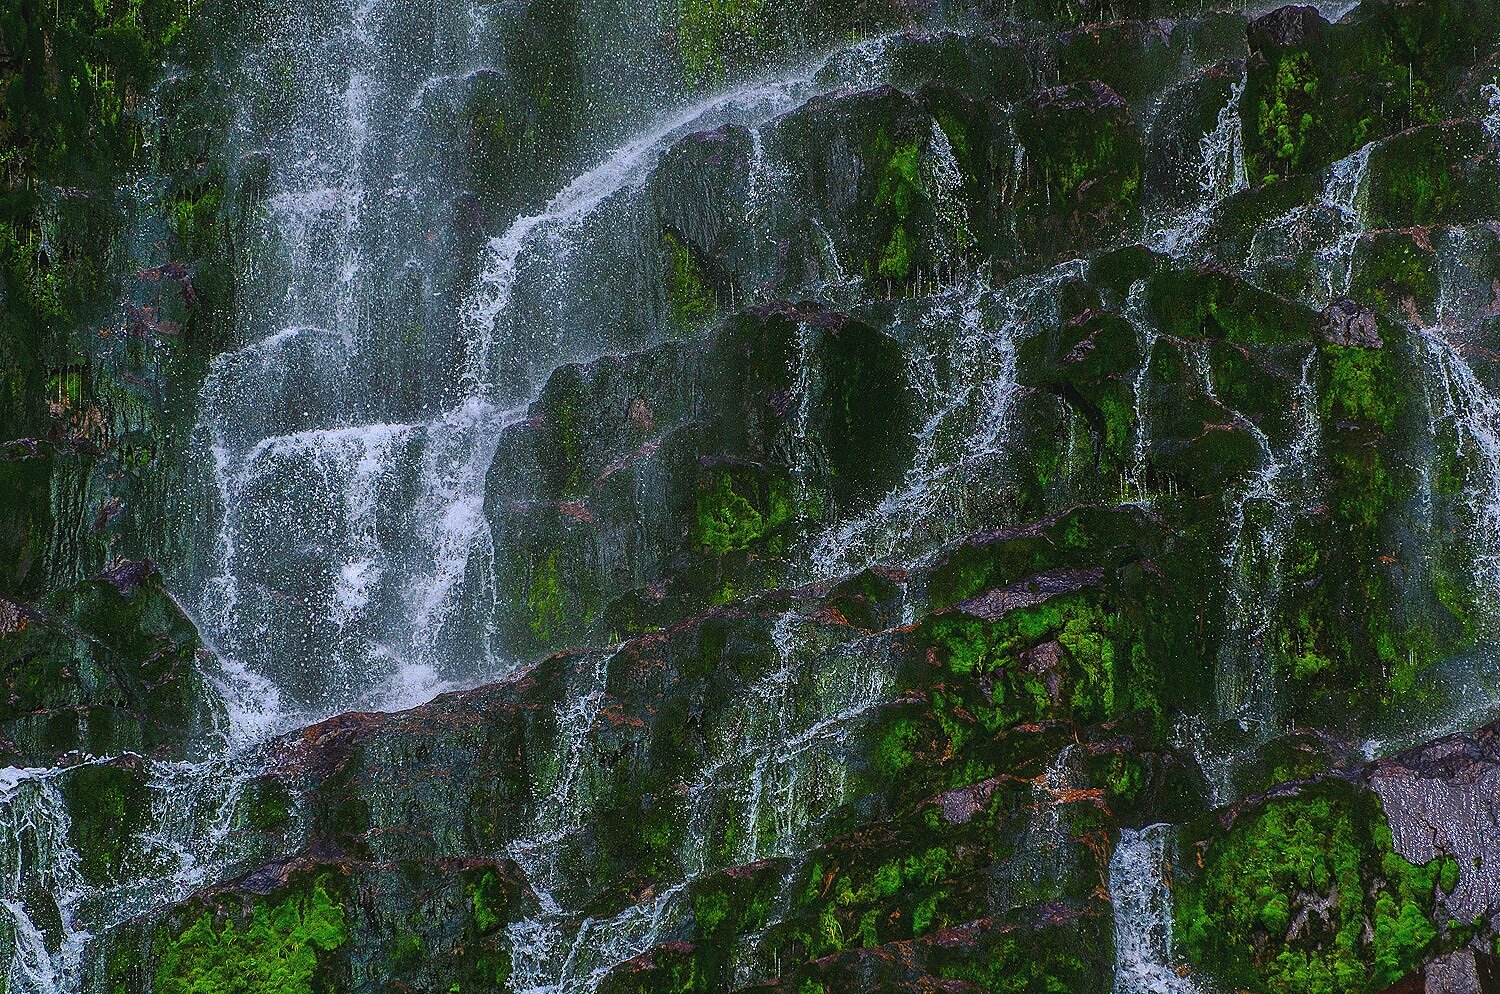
{"x": 42, "y": 880}
{"x": 1345, "y": 194}
{"x": 1142, "y": 899}
{"x": 1465, "y": 407}
{"x": 583, "y": 224}
{"x": 1314, "y": 245}
{"x": 1221, "y": 174}
{"x": 353, "y": 565}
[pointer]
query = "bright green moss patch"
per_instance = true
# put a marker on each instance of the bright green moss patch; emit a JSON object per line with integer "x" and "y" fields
{"x": 544, "y": 600}
{"x": 1325, "y": 860}
{"x": 900, "y": 183}
{"x": 690, "y": 294}
{"x": 1362, "y": 386}
{"x": 1284, "y": 115}
{"x": 895, "y": 258}
{"x": 276, "y": 952}
{"x": 487, "y": 899}
{"x": 1094, "y": 659}
{"x": 865, "y": 906}
{"x": 734, "y": 514}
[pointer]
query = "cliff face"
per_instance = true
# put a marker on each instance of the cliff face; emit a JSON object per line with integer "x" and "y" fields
{"x": 749, "y": 495}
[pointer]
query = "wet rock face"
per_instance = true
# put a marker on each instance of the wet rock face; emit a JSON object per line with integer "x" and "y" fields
{"x": 1439, "y": 802}
{"x": 983, "y": 491}
{"x": 1345, "y": 323}
{"x": 107, "y": 666}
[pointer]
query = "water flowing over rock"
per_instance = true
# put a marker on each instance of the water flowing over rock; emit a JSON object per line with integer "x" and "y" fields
{"x": 749, "y": 495}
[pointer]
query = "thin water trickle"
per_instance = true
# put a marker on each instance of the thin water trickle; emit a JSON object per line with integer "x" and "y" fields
{"x": 1260, "y": 522}
{"x": 772, "y": 770}
{"x": 1135, "y": 483}
{"x": 968, "y": 389}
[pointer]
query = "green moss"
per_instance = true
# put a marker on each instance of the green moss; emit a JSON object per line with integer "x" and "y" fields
{"x": 893, "y": 751}
{"x": 1394, "y": 269}
{"x": 407, "y": 951}
{"x": 733, "y": 515}
{"x": 277, "y": 951}
{"x": 544, "y": 601}
{"x": 1329, "y": 849}
{"x": 896, "y": 199}
{"x": 1284, "y": 115}
{"x": 1361, "y": 387}
{"x": 195, "y": 221}
{"x": 266, "y": 805}
{"x": 1097, "y": 652}
{"x": 726, "y": 520}
{"x": 1041, "y": 954}
{"x": 108, "y": 805}
{"x": 710, "y": 910}
{"x": 899, "y": 897}
{"x": 487, "y": 899}
{"x": 895, "y": 258}
{"x": 713, "y": 34}
{"x": 690, "y": 295}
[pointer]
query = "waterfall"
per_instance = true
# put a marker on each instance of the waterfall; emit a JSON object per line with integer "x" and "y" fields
{"x": 545, "y": 280}
{"x": 353, "y": 563}
{"x": 967, "y": 386}
{"x": 1221, "y": 168}
{"x": 1344, "y": 194}
{"x": 41, "y": 879}
{"x": 1472, "y": 412}
{"x": 1140, "y": 892}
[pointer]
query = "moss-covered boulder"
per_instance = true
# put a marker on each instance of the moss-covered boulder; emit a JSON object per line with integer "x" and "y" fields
{"x": 1304, "y": 891}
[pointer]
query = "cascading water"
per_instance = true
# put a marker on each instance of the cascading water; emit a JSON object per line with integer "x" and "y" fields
{"x": 350, "y": 446}
{"x": 775, "y": 770}
{"x": 41, "y": 877}
{"x": 353, "y": 563}
{"x": 1220, "y": 173}
{"x": 1344, "y": 194}
{"x": 968, "y": 406}
{"x": 1139, "y": 889}
{"x": 1260, "y": 525}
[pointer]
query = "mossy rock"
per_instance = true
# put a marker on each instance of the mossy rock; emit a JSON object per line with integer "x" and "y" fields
{"x": 1303, "y": 891}
{"x": 1395, "y": 272}
{"x": 25, "y": 514}
{"x": 865, "y": 414}
{"x": 109, "y": 804}
{"x": 1212, "y": 303}
{"x": 285, "y": 943}
{"x": 1083, "y": 160}
{"x": 1318, "y": 92}
{"x": 1441, "y": 174}
{"x": 1132, "y": 58}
